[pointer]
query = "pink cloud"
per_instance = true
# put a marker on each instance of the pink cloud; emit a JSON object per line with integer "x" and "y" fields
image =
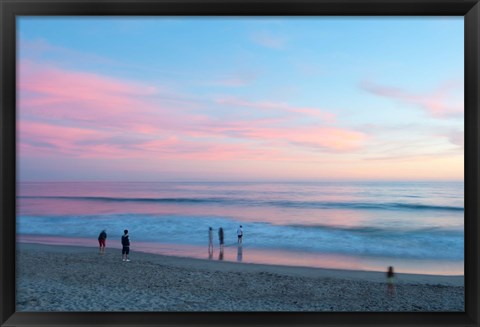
{"x": 87, "y": 115}
{"x": 90, "y": 100}
{"x": 45, "y": 139}
{"x": 281, "y": 108}
{"x": 444, "y": 102}
{"x": 330, "y": 139}
{"x": 173, "y": 148}
{"x": 457, "y": 138}
{"x": 71, "y": 85}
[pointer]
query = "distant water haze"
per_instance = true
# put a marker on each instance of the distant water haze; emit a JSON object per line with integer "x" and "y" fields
{"x": 416, "y": 226}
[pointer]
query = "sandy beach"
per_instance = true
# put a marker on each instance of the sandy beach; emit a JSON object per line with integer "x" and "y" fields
{"x": 72, "y": 278}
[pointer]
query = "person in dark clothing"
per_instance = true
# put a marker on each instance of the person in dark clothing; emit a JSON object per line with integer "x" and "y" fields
{"x": 125, "y": 245}
{"x": 240, "y": 234}
{"x": 101, "y": 241}
{"x": 220, "y": 238}
{"x": 390, "y": 281}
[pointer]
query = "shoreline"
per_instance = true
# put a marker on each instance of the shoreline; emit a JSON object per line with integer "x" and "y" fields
{"x": 246, "y": 254}
{"x": 180, "y": 261}
{"x": 74, "y": 278}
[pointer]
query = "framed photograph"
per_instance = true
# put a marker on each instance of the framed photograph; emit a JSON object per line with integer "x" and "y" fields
{"x": 240, "y": 163}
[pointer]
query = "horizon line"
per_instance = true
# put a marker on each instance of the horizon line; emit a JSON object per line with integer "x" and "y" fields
{"x": 251, "y": 181}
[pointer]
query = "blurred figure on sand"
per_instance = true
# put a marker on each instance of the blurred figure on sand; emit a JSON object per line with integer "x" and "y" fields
{"x": 240, "y": 234}
{"x": 221, "y": 239}
{"x": 390, "y": 281}
{"x": 210, "y": 240}
{"x": 125, "y": 245}
{"x": 101, "y": 241}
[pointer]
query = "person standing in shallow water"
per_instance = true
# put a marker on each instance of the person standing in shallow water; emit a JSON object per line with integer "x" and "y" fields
{"x": 125, "y": 245}
{"x": 240, "y": 234}
{"x": 221, "y": 239}
{"x": 210, "y": 240}
{"x": 390, "y": 281}
{"x": 101, "y": 241}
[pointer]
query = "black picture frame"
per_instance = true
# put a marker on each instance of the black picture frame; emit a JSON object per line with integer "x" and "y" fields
{"x": 10, "y": 9}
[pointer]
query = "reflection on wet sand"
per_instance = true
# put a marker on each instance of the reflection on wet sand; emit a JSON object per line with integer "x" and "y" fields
{"x": 266, "y": 256}
{"x": 240, "y": 253}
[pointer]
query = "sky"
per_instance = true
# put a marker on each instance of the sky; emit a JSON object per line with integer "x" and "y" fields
{"x": 240, "y": 98}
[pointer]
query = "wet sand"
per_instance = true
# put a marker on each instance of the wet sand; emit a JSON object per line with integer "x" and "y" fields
{"x": 72, "y": 278}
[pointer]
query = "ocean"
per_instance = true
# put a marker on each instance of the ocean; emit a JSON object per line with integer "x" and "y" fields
{"x": 417, "y": 227}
